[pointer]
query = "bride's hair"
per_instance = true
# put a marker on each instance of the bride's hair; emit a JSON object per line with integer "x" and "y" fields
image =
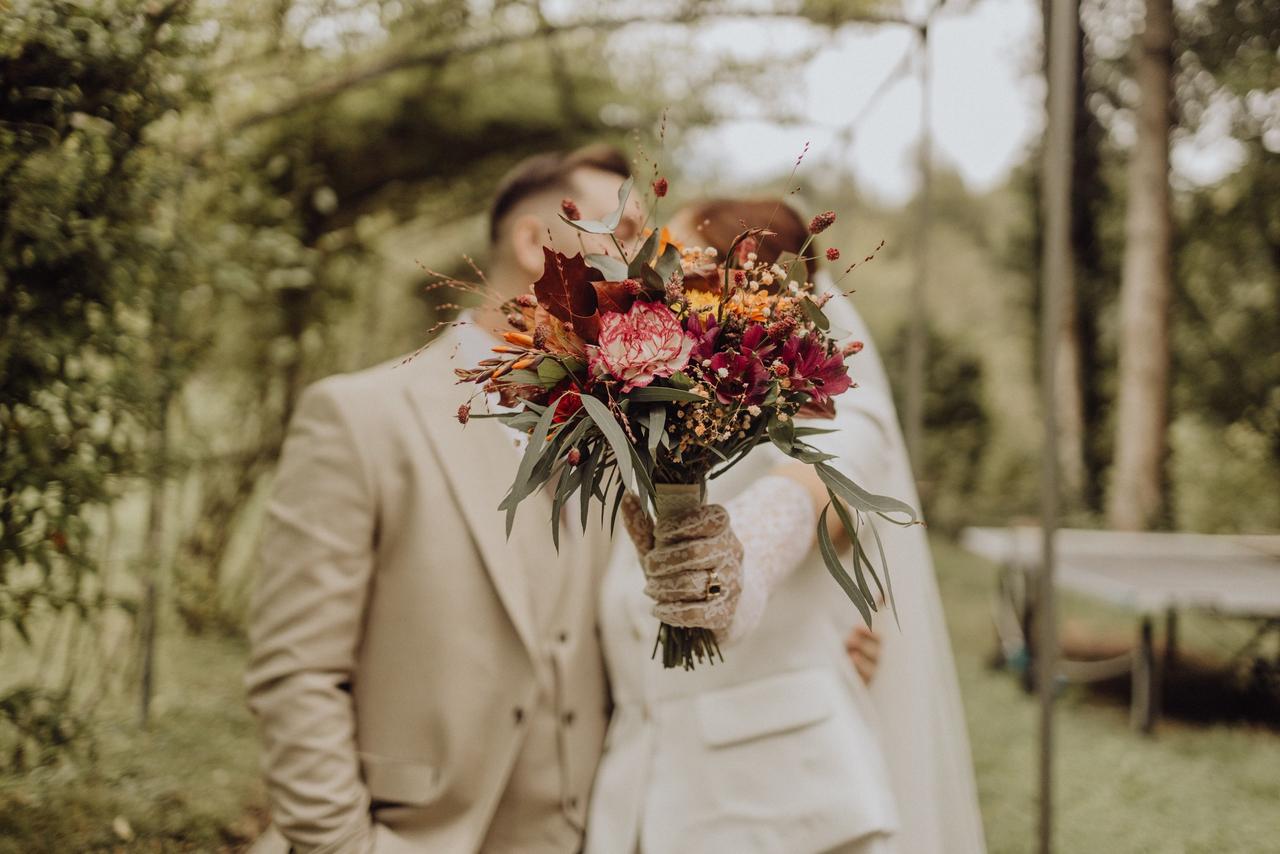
{"x": 719, "y": 221}
{"x": 550, "y": 170}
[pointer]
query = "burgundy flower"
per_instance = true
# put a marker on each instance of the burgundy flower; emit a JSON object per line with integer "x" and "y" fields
{"x": 833, "y": 254}
{"x": 813, "y": 370}
{"x": 570, "y": 210}
{"x": 739, "y": 377}
{"x": 464, "y": 413}
{"x": 573, "y": 457}
{"x": 660, "y": 187}
{"x": 568, "y": 398}
{"x": 705, "y": 332}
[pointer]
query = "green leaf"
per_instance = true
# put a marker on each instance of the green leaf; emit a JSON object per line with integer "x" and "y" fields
{"x": 668, "y": 263}
{"x": 888, "y": 577}
{"x": 651, "y": 279}
{"x": 681, "y": 380}
{"x": 614, "y": 269}
{"x": 590, "y": 480}
{"x": 609, "y": 223}
{"x": 617, "y": 502}
{"x": 657, "y": 426}
{"x": 802, "y": 432}
{"x": 524, "y": 376}
{"x": 815, "y": 315}
{"x": 859, "y": 555}
{"x": 523, "y": 486}
{"x": 861, "y": 498}
{"x": 782, "y": 433}
{"x": 551, "y": 372}
{"x": 657, "y": 393}
{"x": 617, "y": 440}
{"x": 832, "y": 560}
{"x": 642, "y": 258}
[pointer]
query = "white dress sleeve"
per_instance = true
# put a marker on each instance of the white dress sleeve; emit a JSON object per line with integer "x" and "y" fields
{"x": 774, "y": 520}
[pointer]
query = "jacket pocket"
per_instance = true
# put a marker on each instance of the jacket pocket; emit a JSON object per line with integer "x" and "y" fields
{"x": 764, "y": 707}
{"x": 400, "y": 781}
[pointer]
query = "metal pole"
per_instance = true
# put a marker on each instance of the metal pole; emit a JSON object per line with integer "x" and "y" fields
{"x": 918, "y": 326}
{"x": 1057, "y": 275}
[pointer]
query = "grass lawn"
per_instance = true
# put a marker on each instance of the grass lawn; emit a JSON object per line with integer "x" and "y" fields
{"x": 190, "y": 783}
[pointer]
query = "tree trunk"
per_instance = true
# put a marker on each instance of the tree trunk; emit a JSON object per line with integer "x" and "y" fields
{"x": 1069, "y": 360}
{"x": 1136, "y": 498}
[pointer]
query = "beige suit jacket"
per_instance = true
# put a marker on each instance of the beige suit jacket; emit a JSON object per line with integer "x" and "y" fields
{"x": 395, "y": 653}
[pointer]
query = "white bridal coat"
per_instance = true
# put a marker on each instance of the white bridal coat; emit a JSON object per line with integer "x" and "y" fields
{"x": 782, "y": 748}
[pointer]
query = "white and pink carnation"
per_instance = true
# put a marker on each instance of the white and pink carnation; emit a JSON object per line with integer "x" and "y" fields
{"x": 644, "y": 343}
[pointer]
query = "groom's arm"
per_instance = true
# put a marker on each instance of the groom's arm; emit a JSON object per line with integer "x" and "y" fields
{"x": 305, "y": 626}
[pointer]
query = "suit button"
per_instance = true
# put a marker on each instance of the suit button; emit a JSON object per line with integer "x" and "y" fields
{"x": 572, "y": 802}
{"x": 567, "y": 718}
{"x": 518, "y": 714}
{"x": 564, "y": 637}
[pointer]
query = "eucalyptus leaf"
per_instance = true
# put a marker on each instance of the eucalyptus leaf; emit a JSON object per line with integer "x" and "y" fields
{"x": 861, "y": 498}
{"x": 782, "y": 433}
{"x": 617, "y": 439}
{"x": 888, "y": 577}
{"x": 522, "y": 487}
{"x": 657, "y": 428}
{"x": 614, "y": 269}
{"x": 831, "y": 558}
{"x": 523, "y": 376}
{"x": 551, "y": 372}
{"x": 814, "y": 313}
{"x": 668, "y": 263}
{"x": 681, "y": 380}
{"x": 609, "y": 223}
{"x": 644, "y": 255}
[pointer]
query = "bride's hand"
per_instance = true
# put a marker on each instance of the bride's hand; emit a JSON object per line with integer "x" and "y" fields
{"x": 692, "y": 564}
{"x": 863, "y": 647}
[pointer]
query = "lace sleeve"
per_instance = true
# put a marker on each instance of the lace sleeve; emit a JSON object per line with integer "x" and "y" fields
{"x": 774, "y": 520}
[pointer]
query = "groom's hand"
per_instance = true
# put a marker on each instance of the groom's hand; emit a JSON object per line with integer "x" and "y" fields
{"x": 692, "y": 565}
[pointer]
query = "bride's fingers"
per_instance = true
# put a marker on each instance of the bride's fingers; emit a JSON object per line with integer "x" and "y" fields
{"x": 714, "y": 553}
{"x": 866, "y": 668}
{"x": 682, "y": 587}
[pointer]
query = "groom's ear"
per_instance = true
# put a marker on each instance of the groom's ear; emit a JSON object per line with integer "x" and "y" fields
{"x": 527, "y": 234}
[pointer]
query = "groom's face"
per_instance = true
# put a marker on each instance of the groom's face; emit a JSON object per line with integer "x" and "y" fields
{"x": 538, "y": 224}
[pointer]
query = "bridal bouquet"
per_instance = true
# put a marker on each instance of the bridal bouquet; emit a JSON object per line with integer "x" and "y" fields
{"x": 633, "y": 372}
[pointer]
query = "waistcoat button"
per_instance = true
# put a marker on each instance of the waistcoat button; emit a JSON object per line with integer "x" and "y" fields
{"x": 518, "y": 714}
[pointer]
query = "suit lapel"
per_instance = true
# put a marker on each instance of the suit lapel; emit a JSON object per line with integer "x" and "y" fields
{"x": 479, "y": 461}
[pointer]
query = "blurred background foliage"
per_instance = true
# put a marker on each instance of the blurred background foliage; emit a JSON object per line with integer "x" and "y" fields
{"x": 207, "y": 204}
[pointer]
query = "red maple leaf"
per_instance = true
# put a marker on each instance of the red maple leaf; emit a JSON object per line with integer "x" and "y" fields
{"x": 574, "y": 292}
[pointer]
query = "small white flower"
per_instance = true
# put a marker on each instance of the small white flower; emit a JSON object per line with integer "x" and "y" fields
{"x": 710, "y": 252}
{"x": 751, "y": 256}
{"x": 778, "y": 271}
{"x": 754, "y": 410}
{"x": 722, "y": 372}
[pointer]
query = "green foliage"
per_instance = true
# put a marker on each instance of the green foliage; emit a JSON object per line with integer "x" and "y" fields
{"x": 957, "y": 432}
{"x": 80, "y": 254}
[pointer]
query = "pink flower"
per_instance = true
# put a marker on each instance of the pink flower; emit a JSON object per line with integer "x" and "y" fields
{"x": 645, "y": 343}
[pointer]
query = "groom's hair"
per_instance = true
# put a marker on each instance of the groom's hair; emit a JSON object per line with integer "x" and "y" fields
{"x": 551, "y": 170}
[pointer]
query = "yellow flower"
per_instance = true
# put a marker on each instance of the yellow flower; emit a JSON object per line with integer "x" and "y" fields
{"x": 701, "y": 301}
